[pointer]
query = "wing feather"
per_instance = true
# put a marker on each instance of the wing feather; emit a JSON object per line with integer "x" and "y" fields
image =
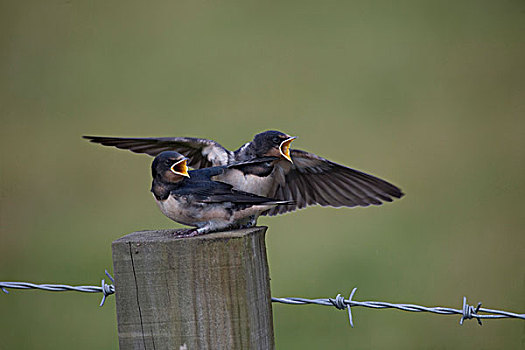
{"x": 315, "y": 180}
{"x": 202, "y": 153}
{"x": 220, "y": 192}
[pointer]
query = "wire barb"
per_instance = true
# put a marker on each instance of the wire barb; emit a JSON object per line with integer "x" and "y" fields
{"x": 340, "y": 303}
{"x": 469, "y": 312}
{"x": 107, "y": 289}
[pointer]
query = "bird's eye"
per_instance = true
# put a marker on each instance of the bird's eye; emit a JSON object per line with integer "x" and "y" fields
{"x": 276, "y": 140}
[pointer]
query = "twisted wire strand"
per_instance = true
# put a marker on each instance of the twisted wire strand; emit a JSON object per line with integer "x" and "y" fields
{"x": 467, "y": 312}
{"x": 105, "y": 289}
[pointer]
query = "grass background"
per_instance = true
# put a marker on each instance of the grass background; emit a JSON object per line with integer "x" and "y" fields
{"x": 427, "y": 94}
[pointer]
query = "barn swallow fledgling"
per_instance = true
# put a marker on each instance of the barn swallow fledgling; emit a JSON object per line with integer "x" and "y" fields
{"x": 194, "y": 199}
{"x": 295, "y": 175}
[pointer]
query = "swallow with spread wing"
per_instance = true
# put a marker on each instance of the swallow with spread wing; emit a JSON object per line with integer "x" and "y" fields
{"x": 194, "y": 199}
{"x": 292, "y": 175}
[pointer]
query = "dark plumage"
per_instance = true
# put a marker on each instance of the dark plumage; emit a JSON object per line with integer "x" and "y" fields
{"x": 288, "y": 174}
{"x": 194, "y": 199}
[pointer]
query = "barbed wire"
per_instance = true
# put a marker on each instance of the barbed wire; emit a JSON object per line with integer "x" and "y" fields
{"x": 467, "y": 312}
{"x": 105, "y": 289}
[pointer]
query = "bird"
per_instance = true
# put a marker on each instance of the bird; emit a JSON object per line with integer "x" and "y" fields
{"x": 192, "y": 198}
{"x": 291, "y": 175}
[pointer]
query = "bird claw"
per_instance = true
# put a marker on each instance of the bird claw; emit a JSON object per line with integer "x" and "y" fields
{"x": 183, "y": 233}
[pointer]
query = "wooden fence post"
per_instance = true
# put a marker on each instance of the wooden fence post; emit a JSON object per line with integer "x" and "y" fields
{"x": 205, "y": 292}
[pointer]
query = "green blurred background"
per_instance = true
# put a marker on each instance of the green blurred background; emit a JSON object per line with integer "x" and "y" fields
{"x": 429, "y": 95}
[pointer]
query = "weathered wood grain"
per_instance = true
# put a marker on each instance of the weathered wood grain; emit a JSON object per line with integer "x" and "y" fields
{"x": 207, "y": 292}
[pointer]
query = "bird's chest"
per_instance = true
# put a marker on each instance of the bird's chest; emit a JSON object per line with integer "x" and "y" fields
{"x": 256, "y": 183}
{"x": 181, "y": 209}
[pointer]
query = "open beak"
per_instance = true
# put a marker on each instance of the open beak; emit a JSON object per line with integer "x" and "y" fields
{"x": 180, "y": 168}
{"x": 284, "y": 148}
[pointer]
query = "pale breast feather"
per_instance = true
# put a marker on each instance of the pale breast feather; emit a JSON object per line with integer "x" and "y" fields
{"x": 246, "y": 182}
{"x": 216, "y": 155}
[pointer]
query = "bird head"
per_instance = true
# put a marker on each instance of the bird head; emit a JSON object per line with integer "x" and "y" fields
{"x": 169, "y": 166}
{"x": 273, "y": 144}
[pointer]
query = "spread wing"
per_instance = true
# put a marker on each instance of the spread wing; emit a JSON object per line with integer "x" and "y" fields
{"x": 202, "y": 153}
{"x": 314, "y": 180}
